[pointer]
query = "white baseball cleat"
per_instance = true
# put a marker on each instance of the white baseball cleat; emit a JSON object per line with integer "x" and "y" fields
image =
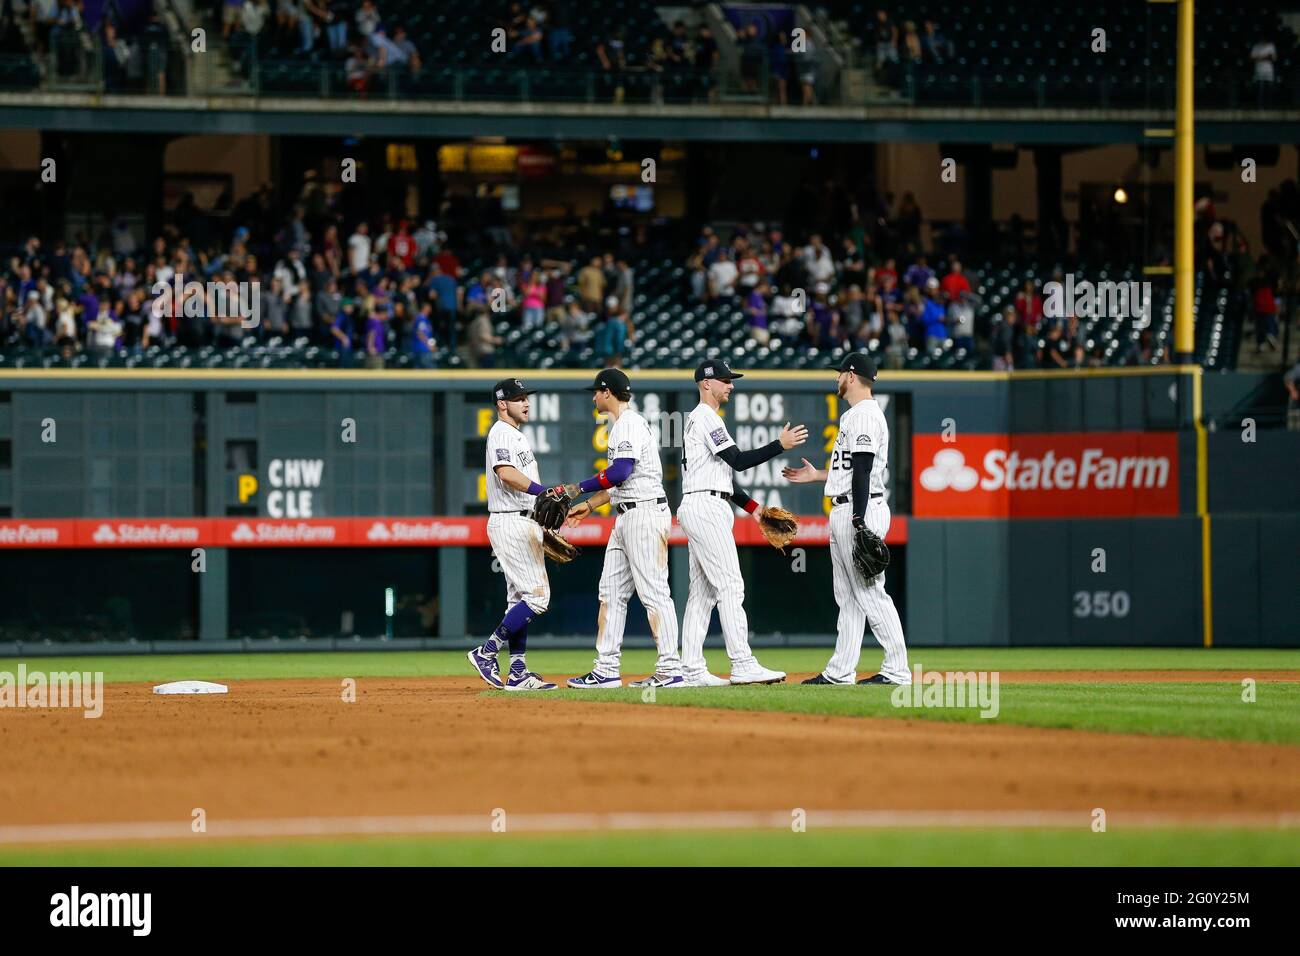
{"x": 756, "y": 673}
{"x": 705, "y": 679}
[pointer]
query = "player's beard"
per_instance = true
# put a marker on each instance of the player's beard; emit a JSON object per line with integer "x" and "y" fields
{"x": 843, "y": 388}
{"x": 519, "y": 419}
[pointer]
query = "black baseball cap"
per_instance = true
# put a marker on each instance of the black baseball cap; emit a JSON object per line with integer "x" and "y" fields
{"x": 860, "y": 363}
{"x": 716, "y": 368}
{"x": 613, "y": 379}
{"x": 510, "y": 390}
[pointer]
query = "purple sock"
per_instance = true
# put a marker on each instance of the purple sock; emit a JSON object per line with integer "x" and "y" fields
{"x": 518, "y": 644}
{"x": 517, "y": 618}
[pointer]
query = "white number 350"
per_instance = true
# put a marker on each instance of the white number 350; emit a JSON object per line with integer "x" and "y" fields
{"x": 1101, "y": 604}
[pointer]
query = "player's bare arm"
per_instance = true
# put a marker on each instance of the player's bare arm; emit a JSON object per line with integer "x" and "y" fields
{"x": 803, "y": 474}
{"x": 585, "y": 508}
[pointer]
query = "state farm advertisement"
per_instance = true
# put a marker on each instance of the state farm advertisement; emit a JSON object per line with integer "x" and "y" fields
{"x": 1057, "y": 475}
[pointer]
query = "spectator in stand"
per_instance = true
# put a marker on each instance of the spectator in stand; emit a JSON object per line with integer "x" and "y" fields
{"x": 1055, "y": 351}
{"x": 749, "y": 266}
{"x": 357, "y": 69}
{"x": 885, "y": 33}
{"x": 938, "y": 49}
{"x": 448, "y": 299}
{"x": 231, "y": 11}
{"x": 556, "y": 293}
{"x": 301, "y": 315}
{"x": 961, "y": 319}
{"x": 591, "y": 285}
{"x": 116, "y": 55}
{"x": 1264, "y": 55}
{"x": 896, "y": 342}
{"x": 574, "y": 325}
{"x": 559, "y": 36}
{"x": 376, "y": 340}
{"x": 611, "y": 52}
{"x": 817, "y": 259}
{"x": 933, "y": 316}
{"x": 756, "y": 314}
{"x": 528, "y": 42}
{"x": 823, "y": 321}
{"x": 1265, "y": 308}
{"x": 421, "y": 341}
{"x": 911, "y": 46}
{"x": 805, "y": 66}
{"x": 889, "y": 298}
{"x": 534, "y": 299}
{"x": 613, "y": 336}
{"x": 367, "y": 18}
{"x": 481, "y": 342}
{"x": 104, "y": 332}
{"x": 918, "y": 274}
{"x": 954, "y": 283}
{"x": 722, "y": 277}
{"x": 1029, "y": 308}
{"x": 326, "y": 304}
{"x": 1007, "y": 341}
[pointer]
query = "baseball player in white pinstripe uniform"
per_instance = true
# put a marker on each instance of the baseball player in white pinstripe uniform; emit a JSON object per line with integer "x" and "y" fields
{"x": 709, "y": 456}
{"x": 855, "y": 483}
{"x": 516, "y": 539}
{"x": 636, "y": 557}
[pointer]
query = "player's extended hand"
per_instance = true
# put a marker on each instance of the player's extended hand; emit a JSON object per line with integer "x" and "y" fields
{"x": 799, "y": 476}
{"x": 790, "y": 437}
{"x": 577, "y": 513}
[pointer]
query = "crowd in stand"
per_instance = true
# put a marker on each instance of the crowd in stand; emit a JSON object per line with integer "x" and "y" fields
{"x": 129, "y": 53}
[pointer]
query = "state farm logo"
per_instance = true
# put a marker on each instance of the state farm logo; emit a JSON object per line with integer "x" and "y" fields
{"x": 949, "y": 471}
{"x": 418, "y": 531}
{"x": 1047, "y": 475}
{"x": 1093, "y": 468}
{"x": 151, "y": 533}
{"x": 28, "y": 534}
{"x": 290, "y": 532}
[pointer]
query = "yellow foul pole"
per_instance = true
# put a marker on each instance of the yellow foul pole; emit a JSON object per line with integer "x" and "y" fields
{"x": 1184, "y": 177}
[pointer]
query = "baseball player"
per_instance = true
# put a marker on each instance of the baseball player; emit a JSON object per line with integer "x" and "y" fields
{"x": 855, "y": 483}
{"x": 709, "y": 456}
{"x": 516, "y": 539}
{"x": 637, "y": 554}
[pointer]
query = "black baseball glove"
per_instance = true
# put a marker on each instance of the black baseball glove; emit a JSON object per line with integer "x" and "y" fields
{"x": 870, "y": 553}
{"x": 551, "y": 507}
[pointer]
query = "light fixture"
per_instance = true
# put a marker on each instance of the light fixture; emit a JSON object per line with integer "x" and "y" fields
{"x": 1121, "y": 195}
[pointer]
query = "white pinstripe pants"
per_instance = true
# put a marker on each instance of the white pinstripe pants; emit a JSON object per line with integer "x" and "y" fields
{"x": 863, "y": 604}
{"x": 517, "y": 544}
{"x": 709, "y": 523}
{"x": 636, "y": 558}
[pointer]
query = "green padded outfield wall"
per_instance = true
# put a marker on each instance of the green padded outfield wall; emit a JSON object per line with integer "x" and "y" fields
{"x": 1036, "y": 509}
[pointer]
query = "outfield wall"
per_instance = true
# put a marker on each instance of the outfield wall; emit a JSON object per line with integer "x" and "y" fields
{"x": 1030, "y": 509}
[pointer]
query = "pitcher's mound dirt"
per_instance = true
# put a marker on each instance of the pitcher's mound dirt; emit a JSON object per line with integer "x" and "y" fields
{"x": 436, "y": 745}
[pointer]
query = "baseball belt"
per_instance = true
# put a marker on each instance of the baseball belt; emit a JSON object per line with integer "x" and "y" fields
{"x": 848, "y": 499}
{"x": 629, "y": 505}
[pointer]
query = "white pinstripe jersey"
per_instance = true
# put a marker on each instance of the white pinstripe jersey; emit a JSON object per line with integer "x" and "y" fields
{"x": 705, "y": 435}
{"x": 630, "y": 437}
{"x": 506, "y": 445}
{"x": 862, "y": 429}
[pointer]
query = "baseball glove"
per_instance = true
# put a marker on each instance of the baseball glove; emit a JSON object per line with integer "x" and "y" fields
{"x": 551, "y": 507}
{"x": 557, "y": 548}
{"x": 870, "y": 553}
{"x": 778, "y": 526}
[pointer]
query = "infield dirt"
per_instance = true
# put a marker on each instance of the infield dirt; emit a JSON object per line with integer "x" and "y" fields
{"x": 293, "y": 748}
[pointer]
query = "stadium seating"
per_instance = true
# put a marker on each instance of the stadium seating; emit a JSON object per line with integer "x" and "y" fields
{"x": 672, "y": 331}
{"x": 1027, "y": 52}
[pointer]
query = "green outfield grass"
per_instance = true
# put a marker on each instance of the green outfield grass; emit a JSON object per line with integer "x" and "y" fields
{"x": 740, "y": 848}
{"x": 556, "y": 663}
{"x": 1211, "y": 711}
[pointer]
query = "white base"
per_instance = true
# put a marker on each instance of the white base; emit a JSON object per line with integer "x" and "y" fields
{"x": 191, "y": 687}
